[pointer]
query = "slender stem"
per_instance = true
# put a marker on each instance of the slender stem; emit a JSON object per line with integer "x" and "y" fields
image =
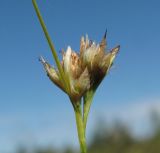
{"x": 62, "y": 76}
{"x": 86, "y": 106}
{"x": 80, "y": 129}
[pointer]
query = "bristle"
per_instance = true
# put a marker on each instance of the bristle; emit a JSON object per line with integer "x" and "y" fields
{"x": 41, "y": 59}
{"x": 115, "y": 50}
{"x": 105, "y": 34}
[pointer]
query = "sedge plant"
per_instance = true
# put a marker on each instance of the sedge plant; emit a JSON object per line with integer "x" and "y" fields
{"x": 79, "y": 74}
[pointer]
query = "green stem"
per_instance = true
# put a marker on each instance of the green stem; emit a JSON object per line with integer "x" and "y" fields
{"x": 80, "y": 129}
{"x": 62, "y": 76}
{"x": 88, "y": 98}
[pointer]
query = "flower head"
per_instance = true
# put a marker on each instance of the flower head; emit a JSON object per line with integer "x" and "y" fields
{"x": 97, "y": 59}
{"x": 76, "y": 75}
{"x": 82, "y": 71}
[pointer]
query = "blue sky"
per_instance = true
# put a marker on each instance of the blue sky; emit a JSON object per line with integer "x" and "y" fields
{"x": 31, "y": 107}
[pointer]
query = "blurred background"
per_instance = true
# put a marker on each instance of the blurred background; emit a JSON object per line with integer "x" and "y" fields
{"x": 37, "y": 117}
